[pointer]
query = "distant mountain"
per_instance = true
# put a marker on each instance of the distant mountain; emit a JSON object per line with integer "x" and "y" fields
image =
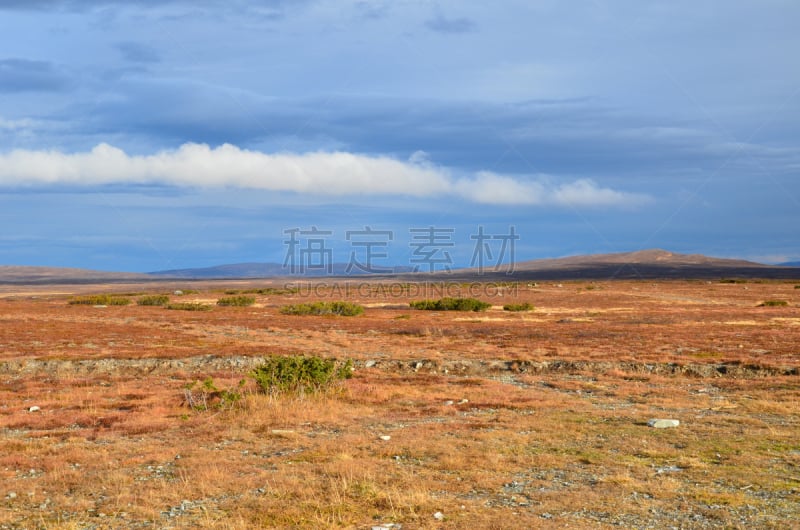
{"x": 790, "y": 264}
{"x": 262, "y": 270}
{"x": 14, "y": 274}
{"x": 642, "y": 264}
{"x": 641, "y": 257}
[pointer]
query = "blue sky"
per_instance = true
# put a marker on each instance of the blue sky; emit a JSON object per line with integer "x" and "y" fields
{"x": 144, "y": 135}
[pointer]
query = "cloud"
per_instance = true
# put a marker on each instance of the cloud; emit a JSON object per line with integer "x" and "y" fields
{"x": 23, "y": 75}
{"x": 489, "y": 188}
{"x": 442, "y": 24}
{"x": 137, "y": 53}
{"x": 316, "y": 173}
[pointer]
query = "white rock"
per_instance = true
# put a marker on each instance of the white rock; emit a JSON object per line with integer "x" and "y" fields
{"x": 178, "y": 293}
{"x": 449, "y": 402}
{"x": 662, "y": 423}
{"x": 439, "y": 516}
{"x": 34, "y": 409}
{"x": 385, "y": 437}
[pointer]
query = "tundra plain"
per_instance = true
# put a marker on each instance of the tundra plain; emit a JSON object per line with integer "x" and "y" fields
{"x": 494, "y": 419}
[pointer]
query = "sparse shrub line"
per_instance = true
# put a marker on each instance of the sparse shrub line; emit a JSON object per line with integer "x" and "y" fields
{"x": 451, "y": 304}
{"x": 237, "y": 301}
{"x": 300, "y": 374}
{"x": 347, "y": 309}
{"x": 100, "y": 299}
{"x": 525, "y": 306}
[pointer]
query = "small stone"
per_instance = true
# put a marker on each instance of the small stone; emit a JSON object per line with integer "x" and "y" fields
{"x": 178, "y": 293}
{"x": 463, "y": 401}
{"x": 662, "y": 423}
{"x": 370, "y": 364}
{"x": 439, "y": 516}
{"x": 449, "y": 402}
{"x": 385, "y": 437}
{"x": 34, "y": 409}
{"x": 11, "y": 495}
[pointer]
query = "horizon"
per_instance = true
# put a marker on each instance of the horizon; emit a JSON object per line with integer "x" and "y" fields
{"x": 141, "y": 137}
{"x": 399, "y": 269}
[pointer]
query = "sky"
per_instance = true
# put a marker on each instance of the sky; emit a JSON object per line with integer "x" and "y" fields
{"x": 141, "y": 136}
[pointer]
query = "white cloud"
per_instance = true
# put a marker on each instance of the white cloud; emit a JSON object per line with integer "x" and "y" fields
{"x": 318, "y": 173}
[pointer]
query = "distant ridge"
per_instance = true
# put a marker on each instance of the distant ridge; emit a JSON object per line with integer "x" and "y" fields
{"x": 790, "y": 264}
{"x": 23, "y": 274}
{"x": 262, "y": 270}
{"x": 642, "y": 264}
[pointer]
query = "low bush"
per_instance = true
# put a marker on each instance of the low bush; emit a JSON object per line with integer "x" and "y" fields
{"x": 188, "y": 306}
{"x": 733, "y": 280}
{"x": 100, "y": 299}
{"x": 347, "y": 309}
{"x": 154, "y": 299}
{"x": 237, "y": 301}
{"x": 773, "y": 303}
{"x": 300, "y": 374}
{"x": 451, "y": 304}
{"x": 518, "y": 307}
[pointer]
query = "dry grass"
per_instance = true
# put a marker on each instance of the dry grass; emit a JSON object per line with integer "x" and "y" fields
{"x": 490, "y": 443}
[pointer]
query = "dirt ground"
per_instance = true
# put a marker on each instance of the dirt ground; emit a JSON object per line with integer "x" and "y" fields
{"x": 494, "y": 419}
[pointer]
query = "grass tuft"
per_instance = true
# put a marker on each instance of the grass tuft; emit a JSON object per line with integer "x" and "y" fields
{"x": 451, "y": 304}
{"x": 518, "y": 307}
{"x": 188, "y": 306}
{"x": 155, "y": 299}
{"x": 347, "y": 309}
{"x": 100, "y": 299}
{"x": 237, "y": 301}
{"x": 773, "y": 303}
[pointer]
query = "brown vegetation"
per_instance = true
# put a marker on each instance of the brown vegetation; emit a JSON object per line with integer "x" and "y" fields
{"x": 494, "y": 419}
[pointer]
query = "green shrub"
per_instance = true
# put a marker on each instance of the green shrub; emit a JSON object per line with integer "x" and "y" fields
{"x": 797, "y": 286}
{"x": 451, "y": 304}
{"x": 237, "y": 301}
{"x": 347, "y": 309}
{"x": 518, "y": 307}
{"x": 300, "y": 374}
{"x": 733, "y": 280}
{"x": 773, "y": 303}
{"x": 154, "y": 299}
{"x": 188, "y": 306}
{"x": 204, "y": 396}
{"x": 100, "y": 299}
